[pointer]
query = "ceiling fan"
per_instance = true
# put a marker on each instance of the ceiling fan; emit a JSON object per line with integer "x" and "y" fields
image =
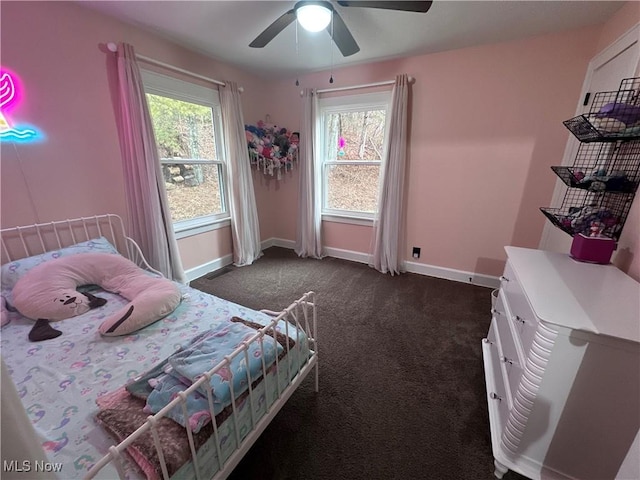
{"x": 317, "y": 15}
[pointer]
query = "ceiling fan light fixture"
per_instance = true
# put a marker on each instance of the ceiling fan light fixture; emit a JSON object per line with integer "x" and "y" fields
{"x": 313, "y": 16}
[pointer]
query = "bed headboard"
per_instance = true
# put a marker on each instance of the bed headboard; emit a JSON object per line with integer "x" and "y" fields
{"x": 25, "y": 241}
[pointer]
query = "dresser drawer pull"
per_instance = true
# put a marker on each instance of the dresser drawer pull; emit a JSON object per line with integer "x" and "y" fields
{"x": 486, "y": 340}
{"x": 518, "y": 318}
{"x": 495, "y": 396}
{"x": 503, "y": 278}
{"x": 506, "y": 360}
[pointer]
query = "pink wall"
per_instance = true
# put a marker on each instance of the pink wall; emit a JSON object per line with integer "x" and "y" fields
{"x": 278, "y": 198}
{"x": 57, "y": 48}
{"x": 486, "y": 126}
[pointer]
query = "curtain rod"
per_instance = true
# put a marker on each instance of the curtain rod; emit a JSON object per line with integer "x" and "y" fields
{"x": 364, "y": 85}
{"x": 114, "y": 48}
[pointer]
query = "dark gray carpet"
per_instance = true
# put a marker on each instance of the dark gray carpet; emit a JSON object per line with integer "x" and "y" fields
{"x": 402, "y": 392}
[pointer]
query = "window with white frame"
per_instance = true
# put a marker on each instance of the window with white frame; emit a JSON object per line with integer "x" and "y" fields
{"x": 352, "y": 142}
{"x": 187, "y": 123}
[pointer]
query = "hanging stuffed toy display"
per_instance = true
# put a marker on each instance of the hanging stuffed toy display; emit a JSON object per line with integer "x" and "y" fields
{"x": 271, "y": 149}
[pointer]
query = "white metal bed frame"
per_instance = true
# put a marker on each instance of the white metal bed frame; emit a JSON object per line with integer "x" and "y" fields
{"x": 25, "y": 241}
{"x": 21, "y": 242}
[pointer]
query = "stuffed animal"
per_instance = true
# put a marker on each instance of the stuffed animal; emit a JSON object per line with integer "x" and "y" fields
{"x": 624, "y": 113}
{"x": 282, "y": 142}
{"x": 608, "y": 125}
{"x": 596, "y": 228}
{"x": 48, "y": 292}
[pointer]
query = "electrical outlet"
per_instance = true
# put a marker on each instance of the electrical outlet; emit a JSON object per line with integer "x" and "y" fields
{"x": 416, "y": 252}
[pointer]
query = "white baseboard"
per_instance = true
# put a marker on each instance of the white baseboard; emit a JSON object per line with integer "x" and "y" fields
{"x": 412, "y": 267}
{"x": 347, "y": 255}
{"x": 281, "y": 242}
{"x": 222, "y": 262}
{"x": 208, "y": 267}
{"x": 452, "y": 274}
{"x": 360, "y": 257}
{"x": 264, "y": 244}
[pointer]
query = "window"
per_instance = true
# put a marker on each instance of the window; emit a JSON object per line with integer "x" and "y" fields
{"x": 187, "y": 124}
{"x": 352, "y": 142}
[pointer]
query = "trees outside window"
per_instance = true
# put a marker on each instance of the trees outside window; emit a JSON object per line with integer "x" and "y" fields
{"x": 187, "y": 125}
{"x": 352, "y": 133}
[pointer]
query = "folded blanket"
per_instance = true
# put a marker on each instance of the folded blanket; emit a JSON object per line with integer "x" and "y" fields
{"x": 125, "y": 410}
{"x": 206, "y": 351}
{"x": 127, "y": 414}
{"x": 178, "y": 372}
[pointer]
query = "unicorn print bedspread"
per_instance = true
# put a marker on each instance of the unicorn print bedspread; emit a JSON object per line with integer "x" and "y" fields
{"x": 59, "y": 380}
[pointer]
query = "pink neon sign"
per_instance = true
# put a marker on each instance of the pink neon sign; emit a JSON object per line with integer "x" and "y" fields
{"x": 9, "y": 98}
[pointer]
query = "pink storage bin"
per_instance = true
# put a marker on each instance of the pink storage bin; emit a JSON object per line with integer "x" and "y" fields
{"x": 592, "y": 249}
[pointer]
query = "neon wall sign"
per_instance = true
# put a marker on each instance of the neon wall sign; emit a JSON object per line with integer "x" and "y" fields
{"x": 10, "y": 96}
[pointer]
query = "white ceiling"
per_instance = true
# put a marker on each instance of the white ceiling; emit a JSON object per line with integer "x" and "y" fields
{"x": 224, "y": 29}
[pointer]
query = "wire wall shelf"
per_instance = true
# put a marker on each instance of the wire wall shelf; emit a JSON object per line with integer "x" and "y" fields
{"x": 613, "y": 116}
{"x": 581, "y": 210}
{"x": 605, "y": 174}
{"x": 610, "y": 167}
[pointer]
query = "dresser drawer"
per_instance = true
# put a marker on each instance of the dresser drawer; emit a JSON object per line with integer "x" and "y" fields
{"x": 496, "y": 391}
{"x": 522, "y": 317}
{"x": 510, "y": 361}
{"x": 505, "y": 333}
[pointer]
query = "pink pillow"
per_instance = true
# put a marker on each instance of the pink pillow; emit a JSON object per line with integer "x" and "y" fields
{"x": 48, "y": 291}
{"x": 4, "y": 314}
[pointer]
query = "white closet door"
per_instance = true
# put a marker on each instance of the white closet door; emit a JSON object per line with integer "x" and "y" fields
{"x": 606, "y": 70}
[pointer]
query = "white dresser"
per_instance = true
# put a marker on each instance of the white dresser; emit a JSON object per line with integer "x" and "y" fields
{"x": 562, "y": 367}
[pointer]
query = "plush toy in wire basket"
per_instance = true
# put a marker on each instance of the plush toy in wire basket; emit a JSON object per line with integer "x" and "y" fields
{"x": 272, "y": 149}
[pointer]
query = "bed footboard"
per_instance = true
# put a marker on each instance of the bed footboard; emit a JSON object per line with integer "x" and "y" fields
{"x": 297, "y": 322}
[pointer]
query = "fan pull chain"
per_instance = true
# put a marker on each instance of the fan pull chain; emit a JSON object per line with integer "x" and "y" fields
{"x": 331, "y": 48}
{"x": 297, "y": 56}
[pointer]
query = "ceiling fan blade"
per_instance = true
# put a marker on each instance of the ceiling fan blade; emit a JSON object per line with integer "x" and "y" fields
{"x": 274, "y": 29}
{"x": 342, "y": 36}
{"x": 421, "y": 7}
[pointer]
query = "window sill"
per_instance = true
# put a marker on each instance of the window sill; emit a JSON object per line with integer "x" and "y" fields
{"x": 351, "y": 219}
{"x": 184, "y": 231}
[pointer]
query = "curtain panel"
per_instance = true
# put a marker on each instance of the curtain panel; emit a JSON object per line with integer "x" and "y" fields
{"x": 20, "y": 442}
{"x": 149, "y": 222}
{"x": 245, "y": 228}
{"x": 308, "y": 239}
{"x": 388, "y": 240}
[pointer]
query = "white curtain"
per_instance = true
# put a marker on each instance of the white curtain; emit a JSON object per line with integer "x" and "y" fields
{"x": 308, "y": 241}
{"x": 19, "y": 440}
{"x": 150, "y": 223}
{"x": 245, "y": 228}
{"x": 389, "y": 222}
